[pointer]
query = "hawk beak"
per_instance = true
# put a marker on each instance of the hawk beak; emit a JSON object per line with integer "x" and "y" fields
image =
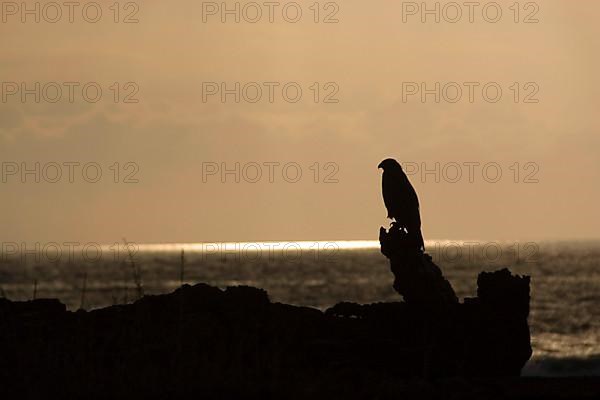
{"x": 380, "y": 165}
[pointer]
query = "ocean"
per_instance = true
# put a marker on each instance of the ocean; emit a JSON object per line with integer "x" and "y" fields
{"x": 565, "y": 280}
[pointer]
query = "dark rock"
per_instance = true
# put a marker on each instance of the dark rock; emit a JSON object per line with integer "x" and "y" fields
{"x": 200, "y": 339}
{"x": 504, "y": 292}
{"x": 416, "y": 278}
{"x": 235, "y": 343}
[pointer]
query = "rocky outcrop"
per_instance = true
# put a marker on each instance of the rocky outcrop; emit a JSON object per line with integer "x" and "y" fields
{"x": 200, "y": 339}
{"x": 236, "y": 343}
{"x": 491, "y": 329}
{"x": 416, "y": 278}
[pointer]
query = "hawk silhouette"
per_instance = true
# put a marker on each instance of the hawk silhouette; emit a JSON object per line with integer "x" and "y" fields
{"x": 401, "y": 200}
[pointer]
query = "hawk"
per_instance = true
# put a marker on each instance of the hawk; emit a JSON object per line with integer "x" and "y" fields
{"x": 401, "y": 200}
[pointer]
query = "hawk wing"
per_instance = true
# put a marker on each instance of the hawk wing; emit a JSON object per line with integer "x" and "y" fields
{"x": 399, "y": 196}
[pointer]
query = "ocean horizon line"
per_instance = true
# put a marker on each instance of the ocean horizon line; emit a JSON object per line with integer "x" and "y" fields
{"x": 356, "y": 244}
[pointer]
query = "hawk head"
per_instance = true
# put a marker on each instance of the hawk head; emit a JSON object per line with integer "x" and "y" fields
{"x": 389, "y": 164}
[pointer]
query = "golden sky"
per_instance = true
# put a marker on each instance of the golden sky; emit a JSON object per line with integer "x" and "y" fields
{"x": 368, "y": 57}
